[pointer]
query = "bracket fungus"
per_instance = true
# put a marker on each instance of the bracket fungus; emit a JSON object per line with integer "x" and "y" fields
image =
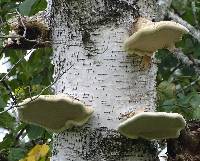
{"x": 54, "y": 112}
{"x": 153, "y": 125}
{"x": 150, "y": 36}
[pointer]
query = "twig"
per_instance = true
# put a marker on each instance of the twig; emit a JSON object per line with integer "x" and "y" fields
{"x": 10, "y": 36}
{"x": 8, "y": 88}
{"x": 186, "y": 60}
{"x": 175, "y": 68}
{"x": 164, "y": 3}
{"x": 194, "y": 10}
{"x": 29, "y": 90}
{"x": 9, "y": 91}
{"x": 191, "y": 84}
{"x": 195, "y": 61}
{"x": 11, "y": 95}
{"x": 20, "y": 133}
{"x": 3, "y": 78}
{"x": 11, "y": 107}
{"x": 59, "y": 75}
{"x": 21, "y": 20}
{"x": 192, "y": 31}
{"x": 19, "y": 36}
{"x": 163, "y": 6}
{"x": 16, "y": 105}
{"x": 24, "y": 37}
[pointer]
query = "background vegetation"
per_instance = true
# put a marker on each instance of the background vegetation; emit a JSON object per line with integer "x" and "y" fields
{"x": 178, "y": 84}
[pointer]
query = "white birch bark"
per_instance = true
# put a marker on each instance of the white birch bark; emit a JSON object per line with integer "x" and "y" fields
{"x": 89, "y": 35}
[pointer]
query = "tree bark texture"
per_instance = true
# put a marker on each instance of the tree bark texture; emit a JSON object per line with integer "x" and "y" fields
{"x": 88, "y": 35}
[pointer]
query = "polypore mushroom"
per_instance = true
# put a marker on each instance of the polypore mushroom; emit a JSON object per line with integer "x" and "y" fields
{"x": 149, "y": 36}
{"x": 152, "y": 125}
{"x": 54, "y": 112}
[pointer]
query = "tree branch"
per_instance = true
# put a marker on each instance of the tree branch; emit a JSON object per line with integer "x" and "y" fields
{"x": 163, "y": 6}
{"x": 186, "y": 60}
{"x": 192, "y": 31}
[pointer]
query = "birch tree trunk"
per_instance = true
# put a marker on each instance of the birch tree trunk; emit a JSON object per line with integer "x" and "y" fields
{"x": 88, "y": 35}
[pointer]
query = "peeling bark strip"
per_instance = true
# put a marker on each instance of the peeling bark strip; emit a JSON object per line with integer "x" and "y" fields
{"x": 89, "y": 35}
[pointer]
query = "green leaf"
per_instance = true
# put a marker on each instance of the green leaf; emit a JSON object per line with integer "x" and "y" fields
{"x": 26, "y": 6}
{"x": 197, "y": 51}
{"x": 7, "y": 121}
{"x": 18, "y": 128}
{"x": 195, "y": 103}
{"x": 184, "y": 100}
{"x": 3, "y": 96}
{"x": 7, "y": 142}
{"x": 30, "y": 7}
{"x": 167, "y": 90}
{"x": 2, "y": 104}
{"x": 35, "y": 132}
{"x": 48, "y": 135}
{"x": 196, "y": 113}
{"x": 14, "y": 55}
{"x": 43, "y": 159}
{"x": 40, "y": 5}
{"x": 15, "y": 154}
{"x": 168, "y": 61}
{"x": 168, "y": 105}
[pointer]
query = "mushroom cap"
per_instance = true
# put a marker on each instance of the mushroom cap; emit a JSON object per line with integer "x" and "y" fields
{"x": 153, "y": 125}
{"x": 158, "y": 35}
{"x": 54, "y": 112}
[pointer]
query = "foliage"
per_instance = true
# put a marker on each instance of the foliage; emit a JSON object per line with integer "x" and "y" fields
{"x": 31, "y": 7}
{"x": 178, "y": 85}
{"x": 189, "y": 10}
{"x": 37, "y": 153}
{"x": 27, "y": 78}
